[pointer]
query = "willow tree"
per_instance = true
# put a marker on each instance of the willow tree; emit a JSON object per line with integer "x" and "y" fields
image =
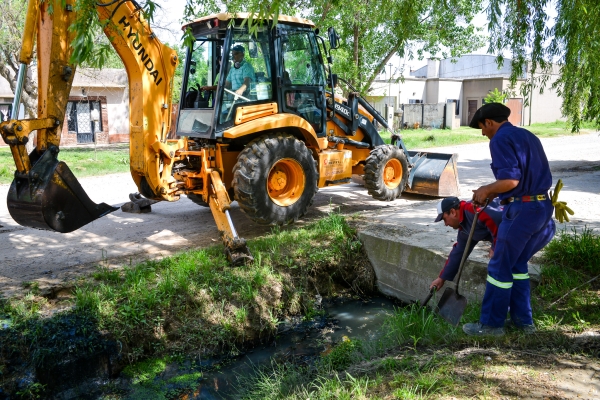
{"x": 570, "y": 40}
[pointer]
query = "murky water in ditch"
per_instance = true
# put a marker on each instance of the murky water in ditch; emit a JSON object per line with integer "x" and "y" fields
{"x": 297, "y": 340}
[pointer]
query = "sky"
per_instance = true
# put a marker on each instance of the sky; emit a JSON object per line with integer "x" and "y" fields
{"x": 167, "y": 21}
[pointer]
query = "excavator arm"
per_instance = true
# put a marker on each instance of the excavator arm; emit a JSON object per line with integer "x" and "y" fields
{"x": 45, "y": 194}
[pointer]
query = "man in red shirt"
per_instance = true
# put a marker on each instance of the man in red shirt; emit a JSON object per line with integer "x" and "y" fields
{"x": 460, "y": 215}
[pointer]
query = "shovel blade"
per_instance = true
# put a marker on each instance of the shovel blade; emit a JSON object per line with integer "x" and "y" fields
{"x": 49, "y": 197}
{"x": 452, "y": 306}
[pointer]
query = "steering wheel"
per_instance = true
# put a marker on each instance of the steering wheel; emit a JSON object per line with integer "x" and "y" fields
{"x": 235, "y": 97}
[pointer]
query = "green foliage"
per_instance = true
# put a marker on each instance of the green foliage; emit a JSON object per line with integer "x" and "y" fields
{"x": 496, "y": 96}
{"x": 34, "y": 390}
{"x": 145, "y": 371}
{"x": 371, "y": 33}
{"x": 152, "y": 307}
{"x": 576, "y": 251}
{"x": 570, "y": 263}
{"x": 415, "y": 325}
{"x": 523, "y": 28}
{"x": 341, "y": 356}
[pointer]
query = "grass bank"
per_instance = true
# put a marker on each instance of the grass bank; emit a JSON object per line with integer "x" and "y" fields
{"x": 191, "y": 304}
{"x": 419, "y": 356}
{"x": 83, "y": 161}
{"x": 86, "y": 161}
{"x": 425, "y": 138}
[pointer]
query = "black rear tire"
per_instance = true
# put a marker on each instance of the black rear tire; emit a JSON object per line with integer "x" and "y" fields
{"x": 386, "y": 172}
{"x": 275, "y": 179}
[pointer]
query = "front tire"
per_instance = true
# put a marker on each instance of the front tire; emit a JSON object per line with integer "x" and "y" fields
{"x": 275, "y": 179}
{"x": 386, "y": 172}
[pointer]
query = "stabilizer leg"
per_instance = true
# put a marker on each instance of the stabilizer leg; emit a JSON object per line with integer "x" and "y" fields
{"x": 235, "y": 247}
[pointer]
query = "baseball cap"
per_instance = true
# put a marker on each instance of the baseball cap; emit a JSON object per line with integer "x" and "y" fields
{"x": 489, "y": 111}
{"x": 239, "y": 47}
{"x": 446, "y": 205}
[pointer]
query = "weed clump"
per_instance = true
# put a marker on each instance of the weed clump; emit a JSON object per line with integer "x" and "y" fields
{"x": 577, "y": 251}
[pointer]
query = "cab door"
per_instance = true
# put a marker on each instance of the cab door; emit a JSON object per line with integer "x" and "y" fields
{"x": 301, "y": 76}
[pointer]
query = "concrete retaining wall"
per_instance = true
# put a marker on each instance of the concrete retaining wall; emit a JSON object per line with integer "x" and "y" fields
{"x": 404, "y": 270}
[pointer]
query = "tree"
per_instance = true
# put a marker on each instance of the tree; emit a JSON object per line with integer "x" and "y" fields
{"x": 373, "y": 31}
{"x": 495, "y": 96}
{"x": 521, "y": 26}
{"x": 12, "y": 21}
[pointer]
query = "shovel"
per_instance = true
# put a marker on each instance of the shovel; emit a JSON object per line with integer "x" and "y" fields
{"x": 452, "y": 305}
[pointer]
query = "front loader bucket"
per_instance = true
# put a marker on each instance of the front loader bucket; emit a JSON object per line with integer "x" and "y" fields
{"x": 433, "y": 174}
{"x": 50, "y": 197}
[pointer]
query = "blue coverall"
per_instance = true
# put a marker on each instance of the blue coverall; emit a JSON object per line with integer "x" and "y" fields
{"x": 526, "y": 226}
{"x": 486, "y": 229}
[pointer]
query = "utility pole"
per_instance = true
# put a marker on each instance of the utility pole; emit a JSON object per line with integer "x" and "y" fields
{"x": 390, "y": 83}
{"x": 530, "y": 95}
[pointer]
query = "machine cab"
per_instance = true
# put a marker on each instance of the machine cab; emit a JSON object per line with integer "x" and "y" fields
{"x": 228, "y": 67}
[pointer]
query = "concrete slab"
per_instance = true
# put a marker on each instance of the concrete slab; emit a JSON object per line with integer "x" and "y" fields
{"x": 407, "y": 249}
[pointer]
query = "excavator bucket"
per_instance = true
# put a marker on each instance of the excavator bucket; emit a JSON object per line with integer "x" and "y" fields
{"x": 50, "y": 197}
{"x": 433, "y": 174}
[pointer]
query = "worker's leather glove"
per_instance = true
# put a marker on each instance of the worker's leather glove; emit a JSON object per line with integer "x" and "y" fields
{"x": 560, "y": 207}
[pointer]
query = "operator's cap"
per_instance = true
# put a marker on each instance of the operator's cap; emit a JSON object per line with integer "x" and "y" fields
{"x": 489, "y": 111}
{"x": 239, "y": 47}
{"x": 446, "y": 205}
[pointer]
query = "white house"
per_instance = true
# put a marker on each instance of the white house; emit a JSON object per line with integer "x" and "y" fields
{"x": 466, "y": 81}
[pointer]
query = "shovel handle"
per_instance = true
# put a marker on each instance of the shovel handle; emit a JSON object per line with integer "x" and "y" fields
{"x": 464, "y": 256}
{"x": 431, "y": 292}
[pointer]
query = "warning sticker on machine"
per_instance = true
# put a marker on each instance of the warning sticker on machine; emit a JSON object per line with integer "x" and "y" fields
{"x": 332, "y": 167}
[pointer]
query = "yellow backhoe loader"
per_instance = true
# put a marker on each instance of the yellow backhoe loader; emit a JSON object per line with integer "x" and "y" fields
{"x": 258, "y": 122}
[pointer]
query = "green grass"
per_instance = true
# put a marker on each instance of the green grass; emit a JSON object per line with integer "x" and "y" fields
{"x": 191, "y": 301}
{"x": 83, "y": 161}
{"x": 160, "y": 311}
{"x": 425, "y": 138}
{"x": 570, "y": 261}
{"x": 414, "y": 357}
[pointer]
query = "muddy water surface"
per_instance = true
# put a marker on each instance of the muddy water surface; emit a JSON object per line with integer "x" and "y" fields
{"x": 299, "y": 341}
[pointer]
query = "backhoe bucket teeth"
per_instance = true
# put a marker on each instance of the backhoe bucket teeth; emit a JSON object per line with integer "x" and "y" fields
{"x": 433, "y": 174}
{"x": 50, "y": 197}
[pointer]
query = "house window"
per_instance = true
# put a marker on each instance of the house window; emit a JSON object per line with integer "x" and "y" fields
{"x": 5, "y": 111}
{"x": 456, "y": 105}
{"x": 415, "y": 101}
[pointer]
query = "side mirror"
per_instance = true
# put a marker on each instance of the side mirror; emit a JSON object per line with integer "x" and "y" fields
{"x": 192, "y": 67}
{"x": 334, "y": 39}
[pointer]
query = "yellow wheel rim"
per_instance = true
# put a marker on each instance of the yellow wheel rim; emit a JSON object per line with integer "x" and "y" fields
{"x": 286, "y": 182}
{"x": 392, "y": 173}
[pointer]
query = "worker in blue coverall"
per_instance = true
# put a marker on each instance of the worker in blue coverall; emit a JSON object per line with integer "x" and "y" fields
{"x": 523, "y": 179}
{"x": 459, "y": 215}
